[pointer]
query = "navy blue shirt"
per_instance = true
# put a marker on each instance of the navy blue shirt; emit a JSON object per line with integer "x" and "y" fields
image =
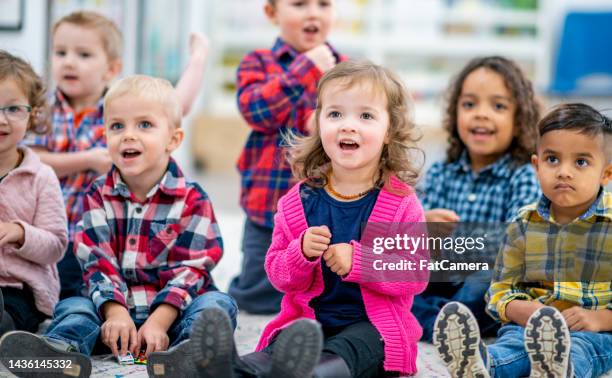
{"x": 341, "y": 303}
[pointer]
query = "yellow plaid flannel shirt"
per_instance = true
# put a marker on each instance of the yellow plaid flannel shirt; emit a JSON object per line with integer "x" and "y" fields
{"x": 544, "y": 261}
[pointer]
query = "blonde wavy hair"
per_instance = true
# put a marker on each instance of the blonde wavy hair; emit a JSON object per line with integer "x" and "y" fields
{"x": 306, "y": 155}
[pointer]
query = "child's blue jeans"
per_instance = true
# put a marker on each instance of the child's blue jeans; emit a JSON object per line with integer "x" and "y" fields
{"x": 76, "y": 321}
{"x": 591, "y": 353}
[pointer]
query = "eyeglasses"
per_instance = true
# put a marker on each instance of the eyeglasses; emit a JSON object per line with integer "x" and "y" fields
{"x": 16, "y": 112}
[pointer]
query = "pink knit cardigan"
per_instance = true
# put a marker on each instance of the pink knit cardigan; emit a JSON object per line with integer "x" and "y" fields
{"x": 31, "y": 196}
{"x": 387, "y": 303}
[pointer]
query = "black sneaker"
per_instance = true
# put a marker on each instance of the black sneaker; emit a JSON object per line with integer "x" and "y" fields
{"x": 456, "y": 337}
{"x": 212, "y": 344}
{"x": 175, "y": 362}
{"x": 548, "y": 342}
{"x": 297, "y": 350}
{"x": 25, "y": 346}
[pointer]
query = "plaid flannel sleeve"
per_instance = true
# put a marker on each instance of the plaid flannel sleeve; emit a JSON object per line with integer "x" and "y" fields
{"x": 509, "y": 269}
{"x": 198, "y": 248}
{"x": 268, "y": 99}
{"x": 94, "y": 250}
{"x": 525, "y": 190}
{"x": 432, "y": 189}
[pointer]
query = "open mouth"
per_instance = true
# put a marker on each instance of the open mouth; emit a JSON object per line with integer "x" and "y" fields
{"x": 482, "y": 131}
{"x": 311, "y": 29}
{"x": 130, "y": 154}
{"x": 71, "y": 77}
{"x": 348, "y": 145}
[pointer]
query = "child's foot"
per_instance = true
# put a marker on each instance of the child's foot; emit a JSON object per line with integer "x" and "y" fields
{"x": 297, "y": 350}
{"x": 212, "y": 344}
{"x": 24, "y": 346}
{"x": 175, "y": 362}
{"x": 547, "y": 342}
{"x": 457, "y": 339}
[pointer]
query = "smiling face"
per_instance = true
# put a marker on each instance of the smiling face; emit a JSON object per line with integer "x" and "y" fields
{"x": 11, "y": 131}
{"x": 304, "y": 24}
{"x": 353, "y": 125}
{"x": 485, "y": 117}
{"x": 81, "y": 67}
{"x": 140, "y": 138}
{"x": 571, "y": 167}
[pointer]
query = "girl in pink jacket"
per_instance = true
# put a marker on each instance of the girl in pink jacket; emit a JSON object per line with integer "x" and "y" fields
{"x": 355, "y": 168}
{"x": 33, "y": 233}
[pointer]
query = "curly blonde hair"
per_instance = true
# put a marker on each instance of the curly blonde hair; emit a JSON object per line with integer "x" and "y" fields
{"x": 306, "y": 155}
{"x": 15, "y": 68}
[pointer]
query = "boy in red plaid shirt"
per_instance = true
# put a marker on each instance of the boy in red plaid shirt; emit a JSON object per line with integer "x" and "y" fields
{"x": 86, "y": 57}
{"x": 276, "y": 95}
{"x": 147, "y": 242}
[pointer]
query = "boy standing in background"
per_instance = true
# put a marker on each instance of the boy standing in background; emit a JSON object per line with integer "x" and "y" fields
{"x": 276, "y": 95}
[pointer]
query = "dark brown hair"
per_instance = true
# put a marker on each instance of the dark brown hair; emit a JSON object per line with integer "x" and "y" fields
{"x": 526, "y": 114}
{"x": 308, "y": 158}
{"x": 15, "y": 68}
{"x": 579, "y": 117}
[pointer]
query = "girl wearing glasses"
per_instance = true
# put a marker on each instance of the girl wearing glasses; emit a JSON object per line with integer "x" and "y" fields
{"x": 33, "y": 234}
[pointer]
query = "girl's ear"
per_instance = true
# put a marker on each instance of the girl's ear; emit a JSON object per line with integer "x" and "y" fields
{"x": 534, "y": 162}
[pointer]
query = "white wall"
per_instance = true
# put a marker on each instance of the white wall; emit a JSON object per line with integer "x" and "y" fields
{"x": 29, "y": 42}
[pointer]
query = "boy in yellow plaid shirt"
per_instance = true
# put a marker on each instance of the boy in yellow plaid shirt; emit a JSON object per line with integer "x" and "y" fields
{"x": 552, "y": 287}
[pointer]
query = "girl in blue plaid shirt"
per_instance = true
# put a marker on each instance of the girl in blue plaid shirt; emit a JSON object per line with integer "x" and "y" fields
{"x": 487, "y": 176}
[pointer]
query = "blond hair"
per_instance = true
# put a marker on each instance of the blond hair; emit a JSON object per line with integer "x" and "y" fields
{"x": 150, "y": 88}
{"x": 107, "y": 30}
{"x": 17, "y": 69}
{"x": 306, "y": 155}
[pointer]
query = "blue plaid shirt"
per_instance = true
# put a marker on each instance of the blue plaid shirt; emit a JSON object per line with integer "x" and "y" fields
{"x": 492, "y": 195}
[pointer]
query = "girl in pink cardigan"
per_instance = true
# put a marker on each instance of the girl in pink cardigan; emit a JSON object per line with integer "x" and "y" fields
{"x": 33, "y": 233}
{"x": 355, "y": 168}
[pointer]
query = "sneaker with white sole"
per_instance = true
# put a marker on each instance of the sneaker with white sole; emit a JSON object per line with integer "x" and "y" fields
{"x": 456, "y": 337}
{"x": 25, "y": 346}
{"x": 548, "y": 343}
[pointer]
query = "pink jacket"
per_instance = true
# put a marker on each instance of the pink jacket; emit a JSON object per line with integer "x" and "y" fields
{"x": 387, "y": 303}
{"x": 31, "y": 195}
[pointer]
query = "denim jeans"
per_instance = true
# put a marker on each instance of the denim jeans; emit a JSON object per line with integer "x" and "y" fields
{"x": 70, "y": 274}
{"x": 252, "y": 289}
{"x": 590, "y": 353}
{"x": 76, "y": 320}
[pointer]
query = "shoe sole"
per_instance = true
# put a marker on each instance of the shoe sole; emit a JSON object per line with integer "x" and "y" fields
{"x": 297, "y": 350}
{"x": 457, "y": 340}
{"x": 212, "y": 344}
{"x": 547, "y": 342}
{"x": 176, "y": 362}
{"x": 26, "y": 346}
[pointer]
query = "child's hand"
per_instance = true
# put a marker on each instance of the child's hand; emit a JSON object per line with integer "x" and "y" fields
{"x": 441, "y": 215}
{"x": 322, "y": 57}
{"x": 339, "y": 258}
{"x": 198, "y": 46}
{"x": 11, "y": 233}
{"x": 581, "y": 319}
{"x": 118, "y": 326}
{"x": 100, "y": 160}
{"x": 315, "y": 241}
{"x": 154, "y": 336}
